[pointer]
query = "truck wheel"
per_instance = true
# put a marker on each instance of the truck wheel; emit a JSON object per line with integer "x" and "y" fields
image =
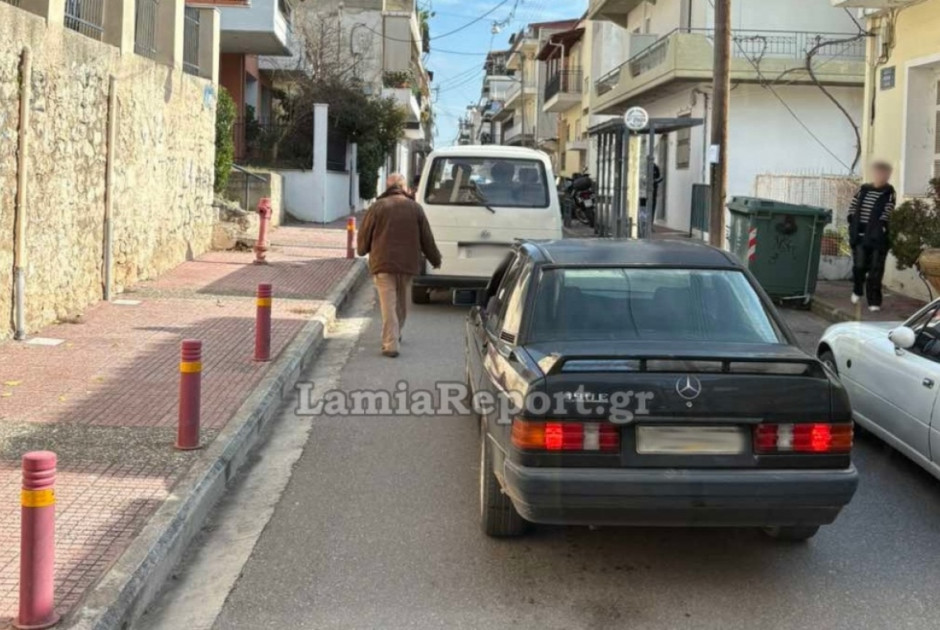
{"x": 421, "y": 295}
{"x": 498, "y": 516}
{"x": 794, "y": 533}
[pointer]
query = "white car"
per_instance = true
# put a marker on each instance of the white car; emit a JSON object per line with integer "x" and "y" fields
{"x": 891, "y": 372}
{"x": 479, "y": 200}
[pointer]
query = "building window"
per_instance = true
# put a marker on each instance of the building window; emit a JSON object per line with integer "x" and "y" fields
{"x": 191, "y": 41}
{"x": 683, "y": 147}
{"x": 145, "y": 28}
{"x": 86, "y": 17}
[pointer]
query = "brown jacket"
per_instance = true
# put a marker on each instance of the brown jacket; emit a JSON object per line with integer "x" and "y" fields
{"x": 395, "y": 233}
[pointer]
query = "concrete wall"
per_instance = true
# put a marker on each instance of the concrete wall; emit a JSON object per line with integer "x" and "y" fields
{"x": 337, "y": 196}
{"x": 163, "y": 167}
{"x": 300, "y": 189}
{"x": 270, "y": 186}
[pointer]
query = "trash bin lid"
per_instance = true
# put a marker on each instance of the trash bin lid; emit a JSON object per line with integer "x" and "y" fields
{"x": 757, "y": 205}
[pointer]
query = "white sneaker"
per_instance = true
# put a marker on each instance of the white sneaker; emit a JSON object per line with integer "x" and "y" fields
{"x": 856, "y": 298}
{"x": 874, "y": 309}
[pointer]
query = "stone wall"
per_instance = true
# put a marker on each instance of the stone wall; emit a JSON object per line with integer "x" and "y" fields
{"x": 163, "y": 167}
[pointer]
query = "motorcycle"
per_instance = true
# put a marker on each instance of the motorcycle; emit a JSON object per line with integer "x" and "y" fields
{"x": 578, "y": 199}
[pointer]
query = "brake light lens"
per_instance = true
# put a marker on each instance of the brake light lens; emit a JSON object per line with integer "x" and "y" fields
{"x": 803, "y": 438}
{"x": 565, "y": 436}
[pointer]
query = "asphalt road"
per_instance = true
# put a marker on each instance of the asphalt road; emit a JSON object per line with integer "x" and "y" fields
{"x": 377, "y": 527}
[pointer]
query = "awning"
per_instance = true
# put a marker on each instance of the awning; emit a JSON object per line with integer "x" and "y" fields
{"x": 566, "y": 39}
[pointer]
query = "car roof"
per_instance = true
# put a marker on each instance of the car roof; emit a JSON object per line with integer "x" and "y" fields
{"x": 493, "y": 150}
{"x": 667, "y": 252}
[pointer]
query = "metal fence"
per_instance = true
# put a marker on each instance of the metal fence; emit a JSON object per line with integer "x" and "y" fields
{"x": 145, "y": 28}
{"x": 834, "y": 192}
{"x": 191, "y": 41}
{"x": 794, "y": 44}
{"x": 85, "y": 17}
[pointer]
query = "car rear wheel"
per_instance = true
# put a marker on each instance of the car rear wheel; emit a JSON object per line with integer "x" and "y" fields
{"x": 421, "y": 295}
{"x": 793, "y": 533}
{"x": 498, "y": 516}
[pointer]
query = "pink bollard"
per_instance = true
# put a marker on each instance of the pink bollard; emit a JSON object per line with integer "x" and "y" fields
{"x": 37, "y": 542}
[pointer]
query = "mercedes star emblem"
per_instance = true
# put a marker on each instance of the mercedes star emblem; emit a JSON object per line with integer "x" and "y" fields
{"x": 689, "y": 387}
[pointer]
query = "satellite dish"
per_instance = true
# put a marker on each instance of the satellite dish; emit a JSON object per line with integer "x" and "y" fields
{"x": 636, "y": 119}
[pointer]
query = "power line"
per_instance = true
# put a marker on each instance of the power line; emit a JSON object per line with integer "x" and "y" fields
{"x": 447, "y": 34}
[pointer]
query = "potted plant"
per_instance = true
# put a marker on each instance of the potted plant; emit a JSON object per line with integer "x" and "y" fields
{"x": 397, "y": 79}
{"x": 915, "y": 234}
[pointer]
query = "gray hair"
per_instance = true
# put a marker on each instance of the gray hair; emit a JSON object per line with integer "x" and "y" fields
{"x": 396, "y": 180}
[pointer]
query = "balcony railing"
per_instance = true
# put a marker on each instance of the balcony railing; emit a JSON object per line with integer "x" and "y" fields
{"x": 145, "y": 28}
{"x": 751, "y": 45}
{"x": 86, "y": 17}
{"x": 191, "y": 41}
{"x": 565, "y": 82}
{"x": 15, "y": 3}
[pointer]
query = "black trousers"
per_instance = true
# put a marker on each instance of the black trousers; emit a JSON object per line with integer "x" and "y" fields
{"x": 868, "y": 271}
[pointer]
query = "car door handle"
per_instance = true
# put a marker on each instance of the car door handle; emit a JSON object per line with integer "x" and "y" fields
{"x": 928, "y": 383}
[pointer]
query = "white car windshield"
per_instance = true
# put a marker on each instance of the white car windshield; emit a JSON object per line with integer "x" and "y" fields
{"x": 650, "y": 305}
{"x": 482, "y": 181}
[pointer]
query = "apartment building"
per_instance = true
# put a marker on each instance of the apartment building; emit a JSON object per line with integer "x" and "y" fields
{"x": 660, "y": 55}
{"x": 567, "y": 61}
{"x": 246, "y": 34}
{"x": 522, "y": 118}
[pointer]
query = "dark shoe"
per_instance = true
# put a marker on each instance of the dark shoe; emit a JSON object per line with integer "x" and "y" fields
{"x": 391, "y": 354}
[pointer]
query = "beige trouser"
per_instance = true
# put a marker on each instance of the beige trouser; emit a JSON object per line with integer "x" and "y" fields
{"x": 394, "y": 295}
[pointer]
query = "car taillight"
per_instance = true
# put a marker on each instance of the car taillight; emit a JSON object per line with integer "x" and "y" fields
{"x": 565, "y": 436}
{"x": 803, "y": 438}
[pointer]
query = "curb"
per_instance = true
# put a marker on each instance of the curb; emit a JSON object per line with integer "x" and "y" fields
{"x": 137, "y": 577}
{"x": 829, "y": 312}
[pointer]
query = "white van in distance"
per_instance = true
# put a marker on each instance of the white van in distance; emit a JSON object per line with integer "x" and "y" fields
{"x": 479, "y": 200}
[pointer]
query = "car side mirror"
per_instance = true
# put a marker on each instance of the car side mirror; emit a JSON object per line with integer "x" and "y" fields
{"x": 903, "y": 337}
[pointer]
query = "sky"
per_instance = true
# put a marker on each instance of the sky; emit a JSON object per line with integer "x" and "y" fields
{"x": 457, "y": 59}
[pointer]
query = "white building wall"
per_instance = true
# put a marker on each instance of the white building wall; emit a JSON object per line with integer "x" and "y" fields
{"x": 763, "y": 138}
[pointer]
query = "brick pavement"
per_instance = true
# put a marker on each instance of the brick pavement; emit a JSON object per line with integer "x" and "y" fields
{"x": 105, "y": 398}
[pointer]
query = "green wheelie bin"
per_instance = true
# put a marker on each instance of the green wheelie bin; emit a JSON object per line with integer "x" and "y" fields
{"x": 780, "y": 243}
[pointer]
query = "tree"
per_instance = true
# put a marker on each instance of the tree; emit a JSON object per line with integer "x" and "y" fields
{"x": 335, "y": 70}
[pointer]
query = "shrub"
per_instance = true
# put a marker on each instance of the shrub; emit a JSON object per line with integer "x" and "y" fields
{"x": 915, "y": 226}
{"x": 225, "y": 115}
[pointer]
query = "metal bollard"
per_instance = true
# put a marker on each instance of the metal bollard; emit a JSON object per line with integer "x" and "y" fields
{"x": 187, "y": 435}
{"x": 37, "y": 542}
{"x": 263, "y": 323}
{"x": 351, "y": 238}
{"x": 261, "y": 247}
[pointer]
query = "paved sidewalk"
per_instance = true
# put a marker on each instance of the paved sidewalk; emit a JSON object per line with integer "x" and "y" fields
{"x": 833, "y": 302}
{"x": 105, "y": 398}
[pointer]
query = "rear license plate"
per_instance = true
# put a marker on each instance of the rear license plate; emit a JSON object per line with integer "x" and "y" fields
{"x": 588, "y": 203}
{"x": 671, "y": 440}
{"x": 482, "y": 251}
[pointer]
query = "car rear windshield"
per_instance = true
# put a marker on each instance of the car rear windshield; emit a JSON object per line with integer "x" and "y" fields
{"x": 491, "y": 181}
{"x": 650, "y": 305}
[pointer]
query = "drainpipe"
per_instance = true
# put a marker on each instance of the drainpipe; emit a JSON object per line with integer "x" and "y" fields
{"x": 109, "y": 186}
{"x": 19, "y": 219}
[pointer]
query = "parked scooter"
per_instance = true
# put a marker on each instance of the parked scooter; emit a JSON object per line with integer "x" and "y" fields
{"x": 578, "y": 199}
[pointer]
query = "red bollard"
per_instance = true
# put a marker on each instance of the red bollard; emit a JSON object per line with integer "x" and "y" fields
{"x": 351, "y": 238}
{"x": 263, "y": 323}
{"x": 187, "y": 435}
{"x": 261, "y": 247}
{"x": 37, "y": 542}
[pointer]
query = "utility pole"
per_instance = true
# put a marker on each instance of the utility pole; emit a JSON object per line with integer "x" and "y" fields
{"x": 718, "y": 154}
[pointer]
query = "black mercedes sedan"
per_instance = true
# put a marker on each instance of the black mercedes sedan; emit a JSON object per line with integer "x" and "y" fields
{"x": 649, "y": 383}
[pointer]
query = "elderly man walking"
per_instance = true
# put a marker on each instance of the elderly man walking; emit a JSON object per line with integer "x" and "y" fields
{"x": 394, "y": 234}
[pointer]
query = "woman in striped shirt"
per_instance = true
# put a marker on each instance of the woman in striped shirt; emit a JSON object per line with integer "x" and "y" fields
{"x": 869, "y": 217}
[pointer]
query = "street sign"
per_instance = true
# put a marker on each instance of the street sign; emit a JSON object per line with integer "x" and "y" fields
{"x": 636, "y": 119}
